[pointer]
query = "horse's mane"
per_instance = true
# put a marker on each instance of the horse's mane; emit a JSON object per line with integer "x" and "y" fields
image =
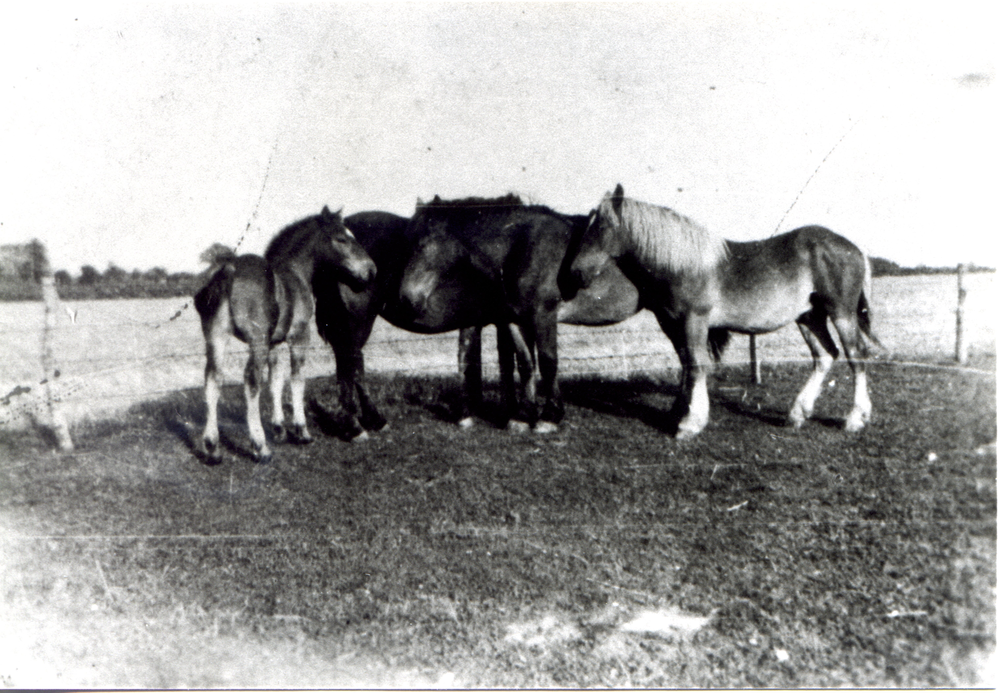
{"x": 661, "y": 238}
{"x": 292, "y": 240}
{"x": 475, "y": 203}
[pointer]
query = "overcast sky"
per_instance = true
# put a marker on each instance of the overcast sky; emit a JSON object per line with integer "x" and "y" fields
{"x": 140, "y": 135}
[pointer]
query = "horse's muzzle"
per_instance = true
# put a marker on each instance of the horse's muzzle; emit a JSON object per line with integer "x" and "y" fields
{"x": 414, "y": 303}
{"x": 361, "y": 277}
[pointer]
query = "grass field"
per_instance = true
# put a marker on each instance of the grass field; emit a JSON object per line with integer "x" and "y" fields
{"x": 607, "y": 554}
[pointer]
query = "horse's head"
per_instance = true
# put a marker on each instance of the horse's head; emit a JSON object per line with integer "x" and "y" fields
{"x": 437, "y": 255}
{"x": 593, "y": 246}
{"x": 342, "y": 252}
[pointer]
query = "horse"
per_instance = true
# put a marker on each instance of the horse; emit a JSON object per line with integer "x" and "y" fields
{"x": 387, "y": 240}
{"x": 390, "y": 241}
{"x": 265, "y": 301}
{"x": 702, "y": 287}
{"x": 511, "y": 252}
{"x": 441, "y": 256}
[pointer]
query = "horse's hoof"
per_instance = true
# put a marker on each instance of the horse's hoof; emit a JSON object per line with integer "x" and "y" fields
{"x": 853, "y": 424}
{"x": 280, "y": 433}
{"x": 300, "y": 436}
{"x": 466, "y": 422}
{"x": 545, "y": 427}
{"x": 264, "y": 457}
{"x": 796, "y": 420}
{"x": 519, "y": 427}
{"x": 360, "y": 438}
{"x": 687, "y": 432}
{"x": 213, "y": 455}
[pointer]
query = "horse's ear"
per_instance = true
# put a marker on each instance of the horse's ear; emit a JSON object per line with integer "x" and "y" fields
{"x": 617, "y": 197}
{"x": 436, "y": 200}
{"x": 326, "y": 211}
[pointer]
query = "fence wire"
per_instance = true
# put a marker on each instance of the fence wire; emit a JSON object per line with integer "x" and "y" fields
{"x": 111, "y": 354}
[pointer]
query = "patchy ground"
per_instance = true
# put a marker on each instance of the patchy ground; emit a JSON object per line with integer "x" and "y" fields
{"x": 604, "y": 554}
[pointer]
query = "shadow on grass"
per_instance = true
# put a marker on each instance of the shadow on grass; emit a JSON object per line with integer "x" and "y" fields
{"x": 624, "y": 398}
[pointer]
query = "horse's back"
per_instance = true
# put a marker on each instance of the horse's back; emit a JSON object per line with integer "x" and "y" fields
{"x": 379, "y": 233}
{"x": 768, "y": 283}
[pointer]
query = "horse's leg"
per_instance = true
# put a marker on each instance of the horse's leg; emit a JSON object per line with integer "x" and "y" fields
{"x": 253, "y": 381}
{"x": 277, "y": 375}
{"x": 346, "y": 379}
{"x": 297, "y": 348}
{"x": 813, "y": 327}
{"x": 548, "y": 365}
{"x": 505, "y": 358}
{"x": 856, "y": 352}
{"x": 527, "y": 406}
{"x": 370, "y": 418}
{"x": 699, "y": 366}
{"x": 470, "y": 367}
{"x": 215, "y": 347}
{"x": 674, "y": 330}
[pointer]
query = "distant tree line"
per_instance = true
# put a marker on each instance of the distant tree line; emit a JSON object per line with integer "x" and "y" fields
{"x": 887, "y": 268}
{"x": 20, "y": 267}
{"x": 115, "y": 282}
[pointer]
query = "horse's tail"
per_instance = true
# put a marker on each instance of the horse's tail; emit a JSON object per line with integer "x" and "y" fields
{"x": 718, "y": 339}
{"x": 210, "y": 297}
{"x": 864, "y": 311}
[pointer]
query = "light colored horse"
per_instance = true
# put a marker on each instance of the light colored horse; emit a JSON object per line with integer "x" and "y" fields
{"x": 696, "y": 282}
{"x": 265, "y": 301}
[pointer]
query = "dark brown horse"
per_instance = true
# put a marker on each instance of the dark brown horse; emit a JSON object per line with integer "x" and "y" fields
{"x": 265, "y": 301}
{"x": 390, "y": 241}
{"x": 461, "y": 299}
{"x": 511, "y": 253}
{"x": 345, "y": 317}
{"x": 695, "y": 282}
{"x": 441, "y": 258}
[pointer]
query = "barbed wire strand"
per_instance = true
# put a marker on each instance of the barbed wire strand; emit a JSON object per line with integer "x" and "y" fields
{"x": 813, "y": 175}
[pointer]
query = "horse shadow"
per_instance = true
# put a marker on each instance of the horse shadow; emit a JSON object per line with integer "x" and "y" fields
{"x": 758, "y": 406}
{"x": 626, "y": 398}
{"x": 184, "y": 418}
{"x": 631, "y": 399}
{"x": 447, "y": 400}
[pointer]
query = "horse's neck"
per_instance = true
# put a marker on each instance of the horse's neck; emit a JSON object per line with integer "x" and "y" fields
{"x": 302, "y": 266}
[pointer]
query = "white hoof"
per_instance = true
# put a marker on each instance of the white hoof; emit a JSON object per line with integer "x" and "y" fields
{"x": 855, "y": 422}
{"x": 686, "y": 433}
{"x": 360, "y": 438}
{"x": 545, "y": 427}
{"x": 519, "y": 427}
{"x": 797, "y": 416}
{"x": 467, "y": 422}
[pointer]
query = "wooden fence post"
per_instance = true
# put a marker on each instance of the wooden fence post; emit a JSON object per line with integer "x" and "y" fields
{"x": 60, "y": 427}
{"x": 961, "y": 346}
{"x": 754, "y": 363}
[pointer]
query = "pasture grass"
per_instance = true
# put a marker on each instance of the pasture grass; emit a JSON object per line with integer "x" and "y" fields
{"x": 436, "y": 556}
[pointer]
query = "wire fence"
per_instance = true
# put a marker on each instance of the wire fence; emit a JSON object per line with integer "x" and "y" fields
{"x": 112, "y": 354}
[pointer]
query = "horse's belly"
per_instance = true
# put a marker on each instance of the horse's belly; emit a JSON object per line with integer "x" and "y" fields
{"x": 761, "y": 311}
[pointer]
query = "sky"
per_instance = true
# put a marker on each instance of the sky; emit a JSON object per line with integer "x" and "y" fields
{"x": 139, "y": 135}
